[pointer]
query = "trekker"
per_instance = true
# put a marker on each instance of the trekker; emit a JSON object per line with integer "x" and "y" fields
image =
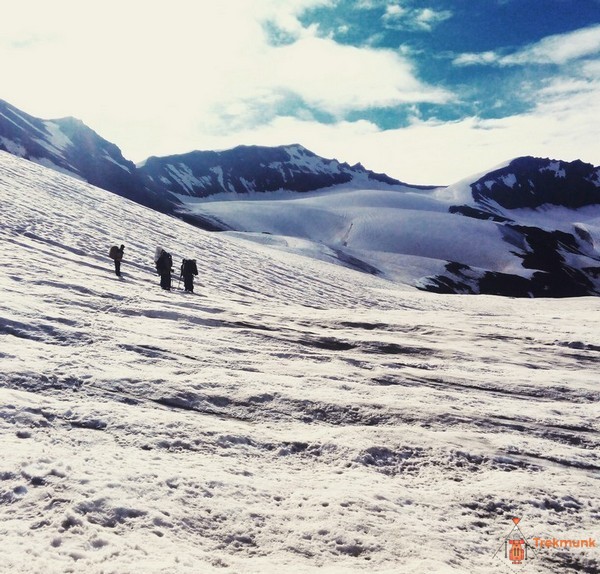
{"x": 188, "y": 270}
{"x": 164, "y": 266}
{"x": 116, "y": 253}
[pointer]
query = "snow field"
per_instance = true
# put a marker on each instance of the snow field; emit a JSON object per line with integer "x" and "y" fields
{"x": 290, "y": 416}
{"x": 382, "y": 228}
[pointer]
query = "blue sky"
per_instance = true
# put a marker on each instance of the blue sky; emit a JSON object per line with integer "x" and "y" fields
{"x": 429, "y": 91}
{"x": 434, "y": 35}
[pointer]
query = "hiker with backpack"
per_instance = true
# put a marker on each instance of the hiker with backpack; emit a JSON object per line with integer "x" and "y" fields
{"x": 188, "y": 270}
{"x": 164, "y": 266}
{"x": 116, "y": 254}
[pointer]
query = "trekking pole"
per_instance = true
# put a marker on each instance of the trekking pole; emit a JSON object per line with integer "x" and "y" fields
{"x": 179, "y": 283}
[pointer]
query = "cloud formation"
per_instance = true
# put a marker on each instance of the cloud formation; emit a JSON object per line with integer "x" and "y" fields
{"x": 401, "y": 17}
{"x": 198, "y": 62}
{"x": 442, "y": 152}
{"x": 159, "y": 79}
{"x": 557, "y": 49}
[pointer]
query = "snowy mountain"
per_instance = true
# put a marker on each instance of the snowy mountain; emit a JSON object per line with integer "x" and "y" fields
{"x": 290, "y": 416}
{"x": 71, "y": 147}
{"x": 247, "y": 169}
{"x": 67, "y": 145}
{"x": 548, "y": 211}
{"x": 529, "y": 182}
{"x": 528, "y": 228}
{"x": 458, "y": 239}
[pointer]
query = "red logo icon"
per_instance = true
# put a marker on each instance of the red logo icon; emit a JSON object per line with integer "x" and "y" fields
{"x": 516, "y": 548}
{"x": 517, "y": 552}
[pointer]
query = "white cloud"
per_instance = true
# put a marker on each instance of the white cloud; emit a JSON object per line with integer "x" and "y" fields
{"x": 427, "y": 18}
{"x": 337, "y": 79}
{"x": 141, "y": 58}
{"x": 401, "y": 15}
{"x": 404, "y": 18}
{"x": 370, "y": 4}
{"x": 557, "y": 49}
{"x": 436, "y": 152}
{"x": 179, "y": 67}
{"x": 481, "y": 58}
{"x": 160, "y": 79}
{"x": 394, "y": 11}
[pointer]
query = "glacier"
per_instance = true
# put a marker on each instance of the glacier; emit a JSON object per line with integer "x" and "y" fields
{"x": 293, "y": 415}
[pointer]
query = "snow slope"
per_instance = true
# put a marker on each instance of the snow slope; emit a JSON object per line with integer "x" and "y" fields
{"x": 68, "y": 146}
{"x": 383, "y": 228}
{"x": 290, "y": 416}
{"x": 438, "y": 239}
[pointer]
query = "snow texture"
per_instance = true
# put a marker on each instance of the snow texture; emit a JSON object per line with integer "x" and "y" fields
{"x": 403, "y": 234}
{"x": 289, "y": 416}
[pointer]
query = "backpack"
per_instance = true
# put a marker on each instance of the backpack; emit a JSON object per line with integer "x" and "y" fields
{"x": 114, "y": 252}
{"x": 164, "y": 262}
{"x": 189, "y": 267}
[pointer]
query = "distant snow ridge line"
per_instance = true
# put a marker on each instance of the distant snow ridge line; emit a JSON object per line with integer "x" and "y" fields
{"x": 67, "y": 145}
{"x": 532, "y": 182}
{"x": 540, "y": 237}
{"x": 247, "y": 169}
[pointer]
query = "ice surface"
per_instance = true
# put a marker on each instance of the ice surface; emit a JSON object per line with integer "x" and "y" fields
{"x": 379, "y": 227}
{"x": 289, "y": 416}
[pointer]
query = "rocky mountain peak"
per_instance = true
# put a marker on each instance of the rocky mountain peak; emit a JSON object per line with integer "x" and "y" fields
{"x": 531, "y": 182}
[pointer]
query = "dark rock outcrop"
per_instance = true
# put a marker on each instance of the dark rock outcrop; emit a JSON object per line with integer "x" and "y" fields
{"x": 247, "y": 169}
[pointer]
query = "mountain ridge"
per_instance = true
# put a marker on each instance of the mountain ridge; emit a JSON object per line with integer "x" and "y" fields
{"x": 531, "y": 182}
{"x": 248, "y": 169}
{"x": 513, "y": 211}
{"x": 70, "y": 146}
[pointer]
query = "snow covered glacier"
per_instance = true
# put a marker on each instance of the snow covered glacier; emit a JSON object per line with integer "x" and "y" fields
{"x": 293, "y": 415}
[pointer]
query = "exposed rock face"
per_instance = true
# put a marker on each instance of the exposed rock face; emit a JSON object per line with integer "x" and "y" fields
{"x": 531, "y": 182}
{"x": 247, "y": 169}
{"x": 566, "y": 263}
{"x": 69, "y": 146}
